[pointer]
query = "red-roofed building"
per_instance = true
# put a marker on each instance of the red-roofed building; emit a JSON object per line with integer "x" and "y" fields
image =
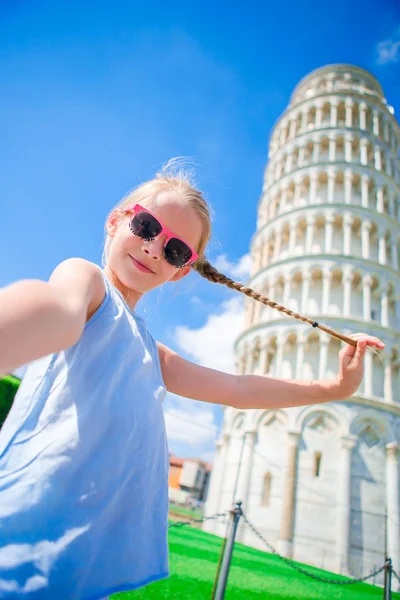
{"x": 191, "y": 476}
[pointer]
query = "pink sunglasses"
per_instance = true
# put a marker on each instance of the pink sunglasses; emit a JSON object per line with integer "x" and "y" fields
{"x": 148, "y": 227}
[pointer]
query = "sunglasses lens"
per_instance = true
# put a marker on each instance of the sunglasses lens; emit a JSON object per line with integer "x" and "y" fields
{"x": 177, "y": 253}
{"x": 145, "y": 226}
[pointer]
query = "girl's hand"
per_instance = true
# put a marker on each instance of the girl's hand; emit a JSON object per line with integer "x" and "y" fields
{"x": 351, "y": 363}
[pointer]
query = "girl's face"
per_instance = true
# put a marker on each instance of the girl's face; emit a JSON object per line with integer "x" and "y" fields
{"x": 136, "y": 266}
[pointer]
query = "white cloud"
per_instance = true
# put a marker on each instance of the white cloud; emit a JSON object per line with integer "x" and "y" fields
{"x": 190, "y": 422}
{"x": 212, "y": 344}
{"x": 240, "y": 269}
{"x": 389, "y": 50}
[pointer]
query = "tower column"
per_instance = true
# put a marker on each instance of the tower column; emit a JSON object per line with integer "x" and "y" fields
{"x": 297, "y": 191}
{"x": 364, "y": 151}
{"x": 282, "y": 207}
{"x": 344, "y": 503}
{"x": 316, "y": 151}
{"x": 388, "y": 388}
{"x": 282, "y": 136}
{"x": 365, "y": 191}
{"x": 395, "y": 263}
{"x": 382, "y": 247}
{"x": 347, "y": 186}
{"x": 392, "y": 502}
{"x": 278, "y": 239}
{"x": 365, "y": 229}
{"x": 384, "y": 304}
{"x": 265, "y": 253}
{"x": 347, "y": 222}
{"x": 318, "y": 116}
{"x": 331, "y": 186}
{"x": 388, "y": 163}
{"x": 288, "y": 503}
{"x": 245, "y": 356}
{"x": 313, "y": 188}
{"x": 347, "y": 284}
{"x": 302, "y": 152}
{"x": 292, "y": 236}
{"x": 332, "y": 149}
{"x": 257, "y": 257}
{"x": 333, "y": 114}
{"x": 348, "y": 148}
{"x": 245, "y": 468}
{"x": 397, "y": 304}
{"x": 363, "y": 115}
{"x": 367, "y": 285}
{"x": 375, "y": 122}
{"x": 217, "y": 505}
{"x": 309, "y": 232}
{"x": 292, "y": 128}
{"x": 392, "y": 204}
{"x": 305, "y": 290}
{"x": 369, "y": 376}
{"x": 328, "y": 233}
{"x": 349, "y": 113}
{"x": 386, "y": 131}
{"x": 380, "y": 204}
{"x": 378, "y": 159}
{"x": 289, "y": 162}
{"x": 326, "y": 288}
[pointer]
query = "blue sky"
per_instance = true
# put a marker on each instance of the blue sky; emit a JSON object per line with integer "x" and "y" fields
{"x": 95, "y": 96}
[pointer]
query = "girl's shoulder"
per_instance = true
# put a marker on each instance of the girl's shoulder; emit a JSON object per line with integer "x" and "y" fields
{"x": 83, "y": 280}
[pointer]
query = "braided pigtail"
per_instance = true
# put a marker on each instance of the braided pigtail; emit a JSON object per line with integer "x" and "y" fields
{"x": 206, "y": 270}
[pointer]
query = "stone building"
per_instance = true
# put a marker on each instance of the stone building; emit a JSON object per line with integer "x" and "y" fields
{"x": 316, "y": 481}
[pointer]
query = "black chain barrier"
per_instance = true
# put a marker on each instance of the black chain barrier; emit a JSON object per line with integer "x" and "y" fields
{"x": 292, "y": 564}
{"x": 395, "y": 574}
{"x": 349, "y": 581}
{"x": 200, "y": 520}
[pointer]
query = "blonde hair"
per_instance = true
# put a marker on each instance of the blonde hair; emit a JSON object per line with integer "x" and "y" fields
{"x": 174, "y": 178}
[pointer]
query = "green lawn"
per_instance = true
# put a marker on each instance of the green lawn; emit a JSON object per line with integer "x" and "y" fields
{"x": 253, "y": 575}
{"x": 8, "y": 388}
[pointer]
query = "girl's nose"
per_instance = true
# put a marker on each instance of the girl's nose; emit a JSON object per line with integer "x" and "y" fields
{"x": 154, "y": 248}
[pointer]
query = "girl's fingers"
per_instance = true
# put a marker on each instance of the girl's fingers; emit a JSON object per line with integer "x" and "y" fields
{"x": 352, "y": 355}
{"x": 360, "y": 351}
{"x": 370, "y": 339}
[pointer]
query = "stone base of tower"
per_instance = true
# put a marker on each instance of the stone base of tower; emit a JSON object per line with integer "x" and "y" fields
{"x": 285, "y": 548}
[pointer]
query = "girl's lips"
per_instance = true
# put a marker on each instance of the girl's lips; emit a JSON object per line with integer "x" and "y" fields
{"x": 141, "y": 267}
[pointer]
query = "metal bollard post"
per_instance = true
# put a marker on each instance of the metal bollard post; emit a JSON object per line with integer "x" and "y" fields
{"x": 387, "y": 590}
{"x": 221, "y": 556}
{"x": 226, "y": 560}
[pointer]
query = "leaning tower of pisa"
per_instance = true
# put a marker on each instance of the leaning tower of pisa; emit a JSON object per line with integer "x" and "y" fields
{"x": 317, "y": 481}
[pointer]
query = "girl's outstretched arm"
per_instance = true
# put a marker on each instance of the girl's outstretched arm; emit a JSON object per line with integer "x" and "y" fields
{"x": 255, "y": 391}
{"x": 39, "y": 317}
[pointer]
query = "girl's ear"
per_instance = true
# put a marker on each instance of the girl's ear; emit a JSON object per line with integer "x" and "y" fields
{"x": 113, "y": 222}
{"x": 181, "y": 273}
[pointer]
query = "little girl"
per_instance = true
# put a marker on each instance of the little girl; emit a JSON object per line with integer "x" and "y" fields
{"x": 83, "y": 453}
